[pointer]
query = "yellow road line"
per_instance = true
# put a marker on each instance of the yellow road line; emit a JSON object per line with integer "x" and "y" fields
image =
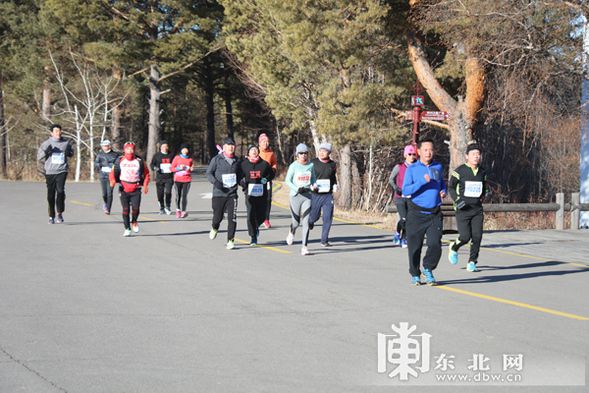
{"x": 267, "y": 247}
{"x": 152, "y": 219}
{"x": 81, "y": 203}
{"x": 547, "y": 310}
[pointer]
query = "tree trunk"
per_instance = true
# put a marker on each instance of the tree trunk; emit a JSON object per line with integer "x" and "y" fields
{"x": 463, "y": 114}
{"x": 46, "y": 103}
{"x": 345, "y": 194}
{"x": 209, "y": 86}
{"x": 3, "y": 144}
{"x": 228, "y": 107}
{"x": 115, "y": 130}
{"x": 154, "y": 112}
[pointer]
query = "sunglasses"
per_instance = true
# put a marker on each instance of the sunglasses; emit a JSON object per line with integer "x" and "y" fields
{"x": 410, "y": 154}
{"x": 304, "y": 152}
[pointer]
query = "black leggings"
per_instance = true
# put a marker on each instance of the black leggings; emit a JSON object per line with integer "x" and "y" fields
{"x": 182, "y": 190}
{"x": 132, "y": 199}
{"x": 56, "y": 192}
{"x": 220, "y": 205}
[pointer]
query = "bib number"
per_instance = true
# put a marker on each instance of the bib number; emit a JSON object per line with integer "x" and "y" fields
{"x": 323, "y": 185}
{"x": 255, "y": 190}
{"x": 166, "y": 168}
{"x": 473, "y": 189}
{"x": 58, "y": 158}
{"x": 302, "y": 179}
{"x": 229, "y": 180}
{"x": 106, "y": 169}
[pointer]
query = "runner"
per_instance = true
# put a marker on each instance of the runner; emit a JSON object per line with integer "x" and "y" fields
{"x": 55, "y": 151}
{"x": 223, "y": 173}
{"x": 130, "y": 170}
{"x": 468, "y": 188}
{"x": 257, "y": 173}
{"x": 424, "y": 181}
{"x": 396, "y": 180}
{"x": 268, "y": 156}
{"x": 161, "y": 163}
{"x": 322, "y": 197}
{"x": 105, "y": 159}
{"x": 182, "y": 166}
{"x": 300, "y": 178}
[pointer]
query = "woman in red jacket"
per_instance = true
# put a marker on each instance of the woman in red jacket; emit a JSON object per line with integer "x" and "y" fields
{"x": 181, "y": 167}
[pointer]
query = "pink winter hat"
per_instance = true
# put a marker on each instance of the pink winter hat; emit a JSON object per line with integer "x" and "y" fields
{"x": 408, "y": 150}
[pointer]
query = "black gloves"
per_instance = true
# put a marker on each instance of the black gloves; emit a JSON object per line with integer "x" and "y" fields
{"x": 302, "y": 190}
{"x": 48, "y": 151}
{"x": 488, "y": 197}
{"x": 218, "y": 185}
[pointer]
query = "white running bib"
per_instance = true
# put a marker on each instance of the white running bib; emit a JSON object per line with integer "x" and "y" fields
{"x": 166, "y": 168}
{"x": 302, "y": 179}
{"x": 229, "y": 180}
{"x": 255, "y": 190}
{"x": 473, "y": 189}
{"x": 58, "y": 158}
{"x": 106, "y": 169}
{"x": 323, "y": 185}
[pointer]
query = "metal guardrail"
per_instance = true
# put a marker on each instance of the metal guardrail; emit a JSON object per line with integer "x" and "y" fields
{"x": 575, "y": 207}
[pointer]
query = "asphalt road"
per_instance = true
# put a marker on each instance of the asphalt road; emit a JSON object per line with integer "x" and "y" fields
{"x": 83, "y": 309}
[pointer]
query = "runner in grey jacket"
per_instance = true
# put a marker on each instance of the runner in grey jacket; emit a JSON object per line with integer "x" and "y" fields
{"x": 55, "y": 151}
{"x": 223, "y": 172}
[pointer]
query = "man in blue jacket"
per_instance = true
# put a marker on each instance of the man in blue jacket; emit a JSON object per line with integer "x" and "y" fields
{"x": 424, "y": 181}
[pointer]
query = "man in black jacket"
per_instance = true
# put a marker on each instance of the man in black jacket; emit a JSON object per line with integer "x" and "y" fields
{"x": 104, "y": 162}
{"x": 468, "y": 188}
{"x": 322, "y": 197}
{"x": 223, "y": 172}
{"x": 161, "y": 164}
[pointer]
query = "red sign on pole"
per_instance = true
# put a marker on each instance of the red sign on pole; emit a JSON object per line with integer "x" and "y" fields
{"x": 434, "y": 115}
{"x": 429, "y": 115}
{"x": 417, "y": 100}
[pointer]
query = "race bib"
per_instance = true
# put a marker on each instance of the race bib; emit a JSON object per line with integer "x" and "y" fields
{"x": 106, "y": 169}
{"x": 323, "y": 185}
{"x": 473, "y": 189}
{"x": 255, "y": 190}
{"x": 229, "y": 180}
{"x": 302, "y": 179}
{"x": 166, "y": 168}
{"x": 58, "y": 158}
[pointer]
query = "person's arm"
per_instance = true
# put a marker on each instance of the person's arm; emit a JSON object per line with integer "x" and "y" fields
{"x": 97, "y": 164}
{"x": 289, "y": 177}
{"x": 145, "y": 177}
{"x": 412, "y": 182}
{"x": 44, "y": 150}
{"x": 393, "y": 180}
{"x": 175, "y": 164}
{"x": 453, "y": 186}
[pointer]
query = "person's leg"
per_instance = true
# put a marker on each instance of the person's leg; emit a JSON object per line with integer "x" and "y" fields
{"x": 60, "y": 192}
{"x": 315, "y": 208}
{"x": 104, "y": 183}
{"x": 305, "y": 212}
{"x": 295, "y": 211}
{"x": 434, "y": 242}
{"x": 185, "y": 191}
{"x": 476, "y": 224}
{"x": 218, "y": 210}
{"x": 135, "y": 199}
{"x": 109, "y": 195}
{"x": 125, "y": 203}
{"x": 50, "y": 183}
{"x": 168, "y": 184}
{"x": 251, "y": 216}
{"x": 416, "y": 227}
{"x": 463, "y": 223}
{"x": 231, "y": 217}
{"x": 160, "y": 187}
{"x": 327, "y": 207}
{"x": 178, "y": 187}
{"x": 402, "y": 209}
